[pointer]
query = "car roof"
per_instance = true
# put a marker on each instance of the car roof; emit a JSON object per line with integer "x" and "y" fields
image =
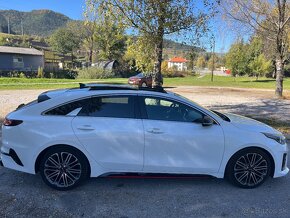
{"x": 93, "y": 88}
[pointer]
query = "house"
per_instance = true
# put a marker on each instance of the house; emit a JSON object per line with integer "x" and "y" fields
{"x": 55, "y": 62}
{"x": 177, "y": 62}
{"x": 20, "y": 59}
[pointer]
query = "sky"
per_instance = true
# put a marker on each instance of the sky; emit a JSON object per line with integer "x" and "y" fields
{"x": 74, "y": 10}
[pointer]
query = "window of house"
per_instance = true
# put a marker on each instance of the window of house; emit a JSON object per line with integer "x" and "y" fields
{"x": 17, "y": 60}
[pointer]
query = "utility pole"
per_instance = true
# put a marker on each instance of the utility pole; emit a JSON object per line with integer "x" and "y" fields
{"x": 22, "y": 32}
{"x": 8, "y": 25}
{"x": 212, "y": 55}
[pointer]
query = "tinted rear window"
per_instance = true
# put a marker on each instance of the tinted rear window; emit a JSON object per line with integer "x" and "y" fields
{"x": 67, "y": 108}
{"x": 117, "y": 106}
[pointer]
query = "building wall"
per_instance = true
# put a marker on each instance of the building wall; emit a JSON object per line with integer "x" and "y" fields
{"x": 30, "y": 62}
{"x": 179, "y": 66}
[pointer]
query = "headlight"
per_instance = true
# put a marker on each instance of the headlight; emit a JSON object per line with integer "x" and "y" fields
{"x": 278, "y": 138}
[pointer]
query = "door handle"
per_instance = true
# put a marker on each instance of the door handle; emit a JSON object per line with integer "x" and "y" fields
{"x": 85, "y": 127}
{"x": 155, "y": 131}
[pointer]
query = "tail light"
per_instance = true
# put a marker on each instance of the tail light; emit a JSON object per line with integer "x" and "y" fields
{"x": 9, "y": 122}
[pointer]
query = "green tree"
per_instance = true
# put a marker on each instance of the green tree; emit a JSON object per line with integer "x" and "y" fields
{"x": 140, "y": 51}
{"x": 236, "y": 59}
{"x": 110, "y": 39}
{"x": 192, "y": 56}
{"x": 200, "y": 63}
{"x": 260, "y": 66}
{"x": 157, "y": 18}
{"x": 64, "y": 40}
{"x": 106, "y": 33}
{"x": 270, "y": 18}
{"x": 212, "y": 62}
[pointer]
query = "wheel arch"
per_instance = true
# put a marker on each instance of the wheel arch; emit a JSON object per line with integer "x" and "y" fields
{"x": 42, "y": 153}
{"x": 253, "y": 147}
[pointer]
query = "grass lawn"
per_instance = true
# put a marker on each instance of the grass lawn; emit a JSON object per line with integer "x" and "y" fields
{"x": 222, "y": 81}
{"x": 219, "y": 81}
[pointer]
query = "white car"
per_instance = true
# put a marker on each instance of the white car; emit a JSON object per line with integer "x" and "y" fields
{"x": 95, "y": 130}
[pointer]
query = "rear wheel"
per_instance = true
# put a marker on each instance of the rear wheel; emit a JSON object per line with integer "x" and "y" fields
{"x": 144, "y": 84}
{"x": 249, "y": 168}
{"x": 63, "y": 168}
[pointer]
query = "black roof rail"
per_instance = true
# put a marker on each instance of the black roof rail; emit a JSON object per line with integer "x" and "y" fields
{"x": 96, "y": 86}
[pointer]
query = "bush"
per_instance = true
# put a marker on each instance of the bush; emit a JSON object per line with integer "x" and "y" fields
{"x": 40, "y": 73}
{"x": 175, "y": 73}
{"x": 22, "y": 75}
{"x": 63, "y": 74}
{"x": 95, "y": 73}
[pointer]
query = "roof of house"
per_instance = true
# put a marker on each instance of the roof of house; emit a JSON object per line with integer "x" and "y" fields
{"x": 18, "y": 50}
{"x": 178, "y": 60}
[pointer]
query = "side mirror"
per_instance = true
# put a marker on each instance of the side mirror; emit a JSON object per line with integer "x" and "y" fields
{"x": 207, "y": 121}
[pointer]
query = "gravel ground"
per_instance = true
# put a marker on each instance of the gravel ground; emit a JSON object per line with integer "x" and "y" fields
{"x": 24, "y": 195}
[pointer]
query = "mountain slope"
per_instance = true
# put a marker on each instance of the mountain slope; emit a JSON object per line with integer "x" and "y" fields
{"x": 36, "y": 22}
{"x": 44, "y": 22}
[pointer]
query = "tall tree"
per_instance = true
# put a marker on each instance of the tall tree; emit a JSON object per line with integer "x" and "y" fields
{"x": 260, "y": 65}
{"x": 157, "y": 18}
{"x": 91, "y": 16}
{"x": 64, "y": 40}
{"x": 237, "y": 59}
{"x": 200, "y": 62}
{"x": 106, "y": 32}
{"x": 141, "y": 50}
{"x": 269, "y": 18}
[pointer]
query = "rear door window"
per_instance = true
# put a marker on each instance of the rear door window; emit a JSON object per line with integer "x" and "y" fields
{"x": 68, "y": 108}
{"x": 106, "y": 106}
{"x": 109, "y": 106}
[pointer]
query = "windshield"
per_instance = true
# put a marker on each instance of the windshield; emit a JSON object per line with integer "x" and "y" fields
{"x": 140, "y": 75}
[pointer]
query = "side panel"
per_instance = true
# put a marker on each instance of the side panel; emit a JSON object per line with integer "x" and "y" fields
{"x": 182, "y": 147}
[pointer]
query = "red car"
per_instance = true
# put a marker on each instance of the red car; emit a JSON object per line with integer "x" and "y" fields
{"x": 142, "y": 80}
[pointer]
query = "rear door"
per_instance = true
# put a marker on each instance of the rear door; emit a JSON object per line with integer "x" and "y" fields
{"x": 108, "y": 128}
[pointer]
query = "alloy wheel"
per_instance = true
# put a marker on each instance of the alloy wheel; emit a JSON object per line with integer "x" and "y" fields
{"x": 62, "y": 169}
{"x": 250, "y": 169}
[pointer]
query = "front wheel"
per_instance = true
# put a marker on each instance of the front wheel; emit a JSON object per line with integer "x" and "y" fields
{"x": 63, "y": 168}
{"x": 249, "y": 168}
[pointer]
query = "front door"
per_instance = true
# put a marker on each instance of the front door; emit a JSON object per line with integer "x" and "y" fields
{"x": 176, "y": 141}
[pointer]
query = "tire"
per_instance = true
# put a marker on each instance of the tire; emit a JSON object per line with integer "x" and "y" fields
{"x": 249, "y": 168}
{"x": 64, "y": 168}
{"x": 143, "y": 84}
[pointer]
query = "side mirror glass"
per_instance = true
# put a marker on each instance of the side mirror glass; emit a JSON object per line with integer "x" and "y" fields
{"x": 207, "y": 121}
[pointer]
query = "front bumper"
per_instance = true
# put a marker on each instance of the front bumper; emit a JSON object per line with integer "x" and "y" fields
{"x": 281, "y": 160}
